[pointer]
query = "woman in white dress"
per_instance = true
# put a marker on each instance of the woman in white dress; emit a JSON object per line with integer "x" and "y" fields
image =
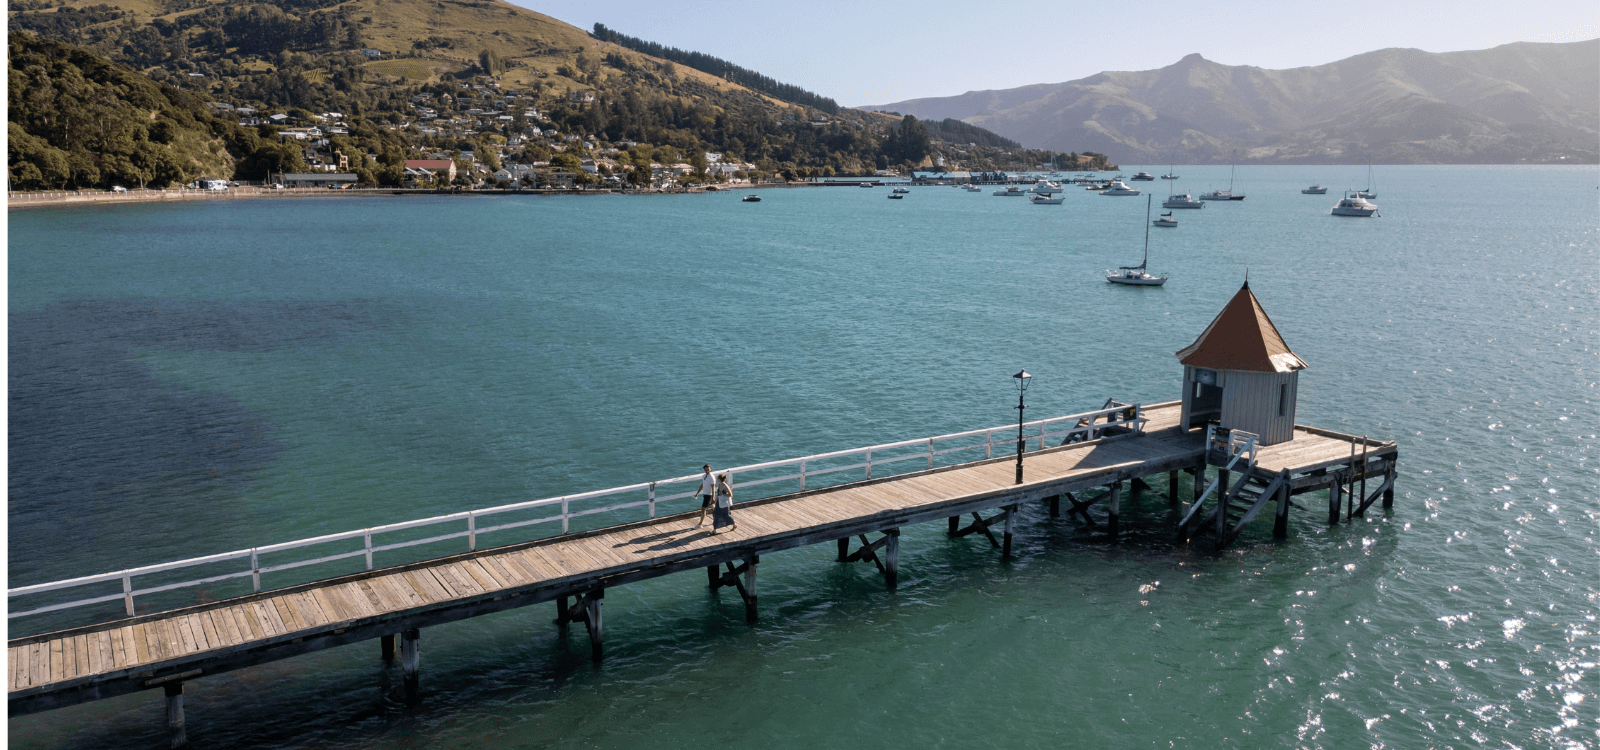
{"x": 722, "y": 508}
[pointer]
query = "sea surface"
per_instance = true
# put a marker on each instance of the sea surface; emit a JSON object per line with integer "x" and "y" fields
{"x": 199, "y": 378}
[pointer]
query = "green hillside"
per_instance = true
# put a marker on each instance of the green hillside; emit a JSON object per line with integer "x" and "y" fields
{"x": 423, "y": 71}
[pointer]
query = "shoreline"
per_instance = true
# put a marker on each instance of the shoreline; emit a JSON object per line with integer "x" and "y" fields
{"x": 16, "y": 201}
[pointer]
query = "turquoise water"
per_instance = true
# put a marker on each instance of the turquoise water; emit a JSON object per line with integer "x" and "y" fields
{"x": 194, "y": 379}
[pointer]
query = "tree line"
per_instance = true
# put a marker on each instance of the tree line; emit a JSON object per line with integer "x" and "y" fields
{"x": 719, "y": 67}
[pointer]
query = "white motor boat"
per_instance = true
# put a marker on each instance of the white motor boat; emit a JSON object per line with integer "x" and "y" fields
{"x": 1181, "y": 200}
{"x": 973, "y": 189}
{"x": 1045, "y": 200}
{"x": 1011, "y": 192}
{"x": 1046, "y": 187}
{"x": 1138, "y": 275}
{"x": 1165, "y": 220}
{"x": 1144, "y": 177}
{"x": 866, "y": 185}
{"x": 1315, "y": 190}
{"x": 901, "y": 190}
{"x": 1118, "y": 187}
{"x": 1354, "y": 205}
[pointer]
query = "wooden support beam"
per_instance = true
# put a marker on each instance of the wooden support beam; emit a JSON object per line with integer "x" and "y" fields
{"x": 1136, "y": 486}
{"x": 1080, "y": 507}
{"x": 175, "y": 728}
{"x": 563, "y": 613}
{"x": 1388, "y": 492}
{"x": 388, "y": 649}
{"x": 1115, "y": 508}
{"x": 1335, "y": 486}
{"x": 1199, "y": 479}
{"x": 979, "y": 523}
{"x": 955, "y": 523}
{"x": 411, "y": 665}
{"x": 1224, "y": 497}
{"x": 592, "y": 603}
{"x": 1055, "y": 506}
{"x": 1005, "y": 549}
{"x": 891, "y": 558}
{"x": 713, "y": 576}
{"x": 844, "y": 550}
{"x": 1172, "y": 487}
{"x": 1280, "y": 524}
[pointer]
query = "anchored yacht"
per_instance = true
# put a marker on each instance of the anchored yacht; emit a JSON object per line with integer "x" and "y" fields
{"x": 1353, "y": 204}
{"x": 1117, "y": 187}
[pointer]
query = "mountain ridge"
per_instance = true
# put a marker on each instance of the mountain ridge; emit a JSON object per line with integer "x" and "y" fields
{"x": 1516, "y": 103}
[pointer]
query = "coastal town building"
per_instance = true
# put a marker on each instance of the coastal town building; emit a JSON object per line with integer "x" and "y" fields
{"x": 331, "y": 180}
{"x": 433, "y": 166}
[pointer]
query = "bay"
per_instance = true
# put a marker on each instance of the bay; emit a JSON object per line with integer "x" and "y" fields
{"x": 205, "y": 377}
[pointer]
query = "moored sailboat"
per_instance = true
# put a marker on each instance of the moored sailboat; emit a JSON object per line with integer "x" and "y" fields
{"x": 1139, "y": 275}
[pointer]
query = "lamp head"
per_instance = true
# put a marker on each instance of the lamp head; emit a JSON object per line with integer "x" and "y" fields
{"x": 1022, "y": 380}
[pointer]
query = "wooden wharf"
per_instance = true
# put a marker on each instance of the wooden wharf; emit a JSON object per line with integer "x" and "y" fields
{"x": 1104, "y": 449}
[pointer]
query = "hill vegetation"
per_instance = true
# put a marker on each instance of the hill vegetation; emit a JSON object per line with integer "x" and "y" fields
{"x": 416, "y": 78}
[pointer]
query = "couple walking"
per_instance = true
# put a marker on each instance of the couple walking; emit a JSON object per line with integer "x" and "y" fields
{"x": 717, "y": 495}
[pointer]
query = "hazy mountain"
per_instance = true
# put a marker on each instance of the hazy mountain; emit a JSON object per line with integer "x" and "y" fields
{"x": 1515, "y": 103}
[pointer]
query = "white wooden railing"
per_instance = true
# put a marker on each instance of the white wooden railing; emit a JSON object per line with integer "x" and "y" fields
{"x": 1083, "y": 427}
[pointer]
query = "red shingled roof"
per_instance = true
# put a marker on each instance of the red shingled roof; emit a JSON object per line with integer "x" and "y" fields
{"x": 1241, "y": 337}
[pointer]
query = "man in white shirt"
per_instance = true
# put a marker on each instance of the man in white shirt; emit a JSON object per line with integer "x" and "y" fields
{"x": 708, "y": 487}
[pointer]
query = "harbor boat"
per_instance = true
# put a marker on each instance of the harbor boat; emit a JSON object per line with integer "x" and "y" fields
{"x": 1046, "y": 187}
{"x": 1117, "y": 187}
{"x": 974, "y": 189}
{"x": 752, "y": 198}
{"x": 1096, "y": 186}
{"x": 1165, "y": 220}
{"x": 1353, "y": 204}
{"x": 1144, "y": 177}
{"x": 1315, "y": 190}
{"x": 1368, "y": 193}
{"x": 866, "y": 185}
{"x": 901, "y": 190}
{"x": 896, "y": 196}
{"x": 1139, "y": 275}
{"x": 1011, "y": 192}
{"x": 1181, "y": 200}
{"x": 1170, "y": 175}
{"x": 1224, "y": 195}
{"x": 1045, "y": 200}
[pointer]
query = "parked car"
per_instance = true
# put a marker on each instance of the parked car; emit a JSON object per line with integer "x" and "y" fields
{"x": 118, "y": 189}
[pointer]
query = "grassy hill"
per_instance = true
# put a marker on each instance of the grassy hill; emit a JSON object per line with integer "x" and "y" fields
{"x": 425, "y": 68}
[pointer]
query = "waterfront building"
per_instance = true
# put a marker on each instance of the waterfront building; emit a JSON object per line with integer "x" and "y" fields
{"x": 1240, "y": 373}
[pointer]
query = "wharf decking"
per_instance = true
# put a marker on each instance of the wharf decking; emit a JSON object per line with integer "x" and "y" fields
{"x": 166, "y": 649}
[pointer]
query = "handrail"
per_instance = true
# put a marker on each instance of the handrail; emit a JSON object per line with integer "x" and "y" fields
{"x": 1083, "y": 427}
{"x": 1239, "y": 445}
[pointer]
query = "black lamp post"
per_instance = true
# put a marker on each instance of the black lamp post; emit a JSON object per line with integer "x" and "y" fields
{"x": 1022, "y": 387}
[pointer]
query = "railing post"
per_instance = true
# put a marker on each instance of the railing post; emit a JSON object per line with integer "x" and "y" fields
{"x": 869, "y": 463}
{"x": 472, "y": 531}
{"x": 652, "y": 498}
{"x": 988, "y": 443}
{"x": 930, "y": 453}
{"x": 255, "y": 569}
{"x": 127, "y": 594}
{"x": 802, "y": 476}
{"x": 366, "y": 538}
{"x": 565, "y": 518}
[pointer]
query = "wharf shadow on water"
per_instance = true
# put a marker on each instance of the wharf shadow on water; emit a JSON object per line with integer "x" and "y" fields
{"x": 102, "y": 449}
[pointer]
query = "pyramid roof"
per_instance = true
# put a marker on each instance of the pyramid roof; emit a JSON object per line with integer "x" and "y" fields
{"x": 1241, "y": 337}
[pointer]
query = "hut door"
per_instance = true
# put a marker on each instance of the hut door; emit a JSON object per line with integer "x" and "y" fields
{"x": 1206, "y": 403}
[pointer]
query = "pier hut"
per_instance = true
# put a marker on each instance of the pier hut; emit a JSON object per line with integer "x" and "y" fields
{"x": 1240, "y": 374}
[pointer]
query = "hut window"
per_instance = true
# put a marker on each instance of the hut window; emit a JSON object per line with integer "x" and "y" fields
{"x": 1283, "y": 399}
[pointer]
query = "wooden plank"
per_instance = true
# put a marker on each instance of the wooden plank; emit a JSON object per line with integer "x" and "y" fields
{"x": 396, "y": 592}
{"x": 39, "y": 664}
{"x": 286, "y": 614}
{"x": 142, "y": 643}
{"x": 121, "y": 653}
{"x": 227, "y": 628}
{"x": 271, "y": 619}
{"x": 325, "y": 598}
{"x": 503, "y": 572}
{"x": 305, "y": 605}
{"x": 95, "y": 666}
{"x": 352, "y": 601}
{"x": 425, "y": 584}
{"x": 378, "y": 598}
{"x": 213, "y": 637}
{"x": 464, "y": 579}
{"x": 487, "y": 576}
{"x": 80, "y": 655}
{"x": 186, "y": 637}
{"x": 17, "y": 658}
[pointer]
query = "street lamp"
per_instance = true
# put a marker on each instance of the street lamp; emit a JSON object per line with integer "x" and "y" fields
{"x": 1022, "y": 379}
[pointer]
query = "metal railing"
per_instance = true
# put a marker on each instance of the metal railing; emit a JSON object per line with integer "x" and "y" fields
{"x": 1235, "y": 446}
{"x": 1117, "y": 418}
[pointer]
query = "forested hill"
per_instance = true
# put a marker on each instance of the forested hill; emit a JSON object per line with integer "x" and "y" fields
{"x": 719, "y": 67}
{"x": 78, "y": 120}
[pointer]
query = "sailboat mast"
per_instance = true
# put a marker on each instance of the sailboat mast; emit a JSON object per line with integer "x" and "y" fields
{"x": 1148, "y": 199}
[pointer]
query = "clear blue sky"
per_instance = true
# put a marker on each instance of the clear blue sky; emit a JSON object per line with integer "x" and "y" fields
{"x": 879, "y": 52}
